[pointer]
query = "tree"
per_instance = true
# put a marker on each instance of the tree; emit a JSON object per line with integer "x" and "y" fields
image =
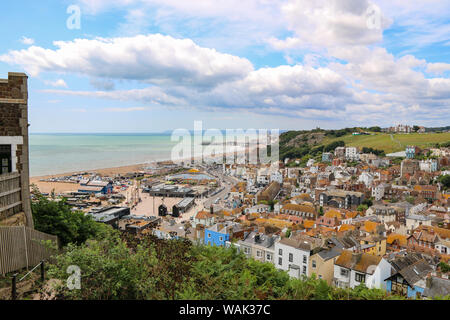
{"x": 321, "y": 211}
{"x": 57, "y": 218}
{"x": 362, "y": 207}
{"x": 445, "y": 180}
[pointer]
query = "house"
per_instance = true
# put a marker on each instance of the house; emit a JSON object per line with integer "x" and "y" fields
{"x": 220, "y": 233}
{"x": 414, "y": 221}
{"x": 322, "y": 263}
{"x": 429, "y": 165}
{"x": 396, "y": 242}
{"x": 379, "y": 190}
{"x": 339, "y": 152}
{"x": 292, "y": 254}
{"x": 352, "y": 153}
{"x": 340, "y": 198}
{"x": 428, "y": 192}
{"x": 411, "y": 152}
{"x": 258, "y": 246}
{"x": 269, "y": 193}
{"x": 204, "y": 218}
{"x": 423, "y": 238}
{"x": 366, "y": 178}
{"x": 373, "y": 244}
{"x": 409, "y": 275}
{"x": 259, "y": 208}
{"x": 327, "y": 157}
{"x": 409, "y": 166}
{"x": 436, "y": 287}
{"x": 299, "y": 210}
{"x": 352, "y": 269}
{"x": 383, "y": 212}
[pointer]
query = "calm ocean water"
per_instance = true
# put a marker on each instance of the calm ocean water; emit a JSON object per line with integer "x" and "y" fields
{"x": 60, "y": 153}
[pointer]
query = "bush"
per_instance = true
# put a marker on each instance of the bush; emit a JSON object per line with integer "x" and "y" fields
{"x": 57, "y": 218}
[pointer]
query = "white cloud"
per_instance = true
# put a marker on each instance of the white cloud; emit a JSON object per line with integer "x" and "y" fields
{"x": 328, "y": 23}
{"x": 57, "y": 83}
{"x": 131, "y": 109}
{"x": 151, "y": 95}
{"x": 438, "y": 68}
{"x": 152, "y": 58}
{"x": 27, "y": 41}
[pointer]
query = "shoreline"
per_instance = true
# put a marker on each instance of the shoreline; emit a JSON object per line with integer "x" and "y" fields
{"x": 59, "y": 187}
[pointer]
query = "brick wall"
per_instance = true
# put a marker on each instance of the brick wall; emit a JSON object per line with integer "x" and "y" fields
{"x": 14, "y": 123}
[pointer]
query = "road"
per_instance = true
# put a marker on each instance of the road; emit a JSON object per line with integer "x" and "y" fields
{"x": 226, "y": 182}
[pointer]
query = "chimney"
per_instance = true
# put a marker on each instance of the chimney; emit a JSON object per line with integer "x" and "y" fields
{"x": 356, "y": 257}
{"x": 429, "y": 281}
{"x": 211, "y": 210}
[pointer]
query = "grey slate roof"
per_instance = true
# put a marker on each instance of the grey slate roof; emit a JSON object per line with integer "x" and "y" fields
{"x": 438, "y": 287}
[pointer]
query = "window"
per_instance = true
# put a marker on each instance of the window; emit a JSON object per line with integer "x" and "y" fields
{"x": 280, "y": 252}
{"x": 220, "y": 238}
{"x": 314, "y": 264}
{"x": 344, "y": 272}
{"x": 269, "y": 257}
{"x": 209, "y": 235}
{"x": 291, "y": 257}
{"x": 304, "y": 259}
{"x": 359, "y": 277}
{"x": 280, "y": 261}
{"x": 5, "y": 159}
{"x": 246, "y": 250}
{"x": 304, "y": 269}
{"x": 258, "y": 253}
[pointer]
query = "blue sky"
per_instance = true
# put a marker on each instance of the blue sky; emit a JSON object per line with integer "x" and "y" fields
{"x": 154, "y": 65}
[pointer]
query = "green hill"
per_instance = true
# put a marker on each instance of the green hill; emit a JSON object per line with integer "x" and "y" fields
{"x": 311, "y": 144}
{"x": 395, "y": 142}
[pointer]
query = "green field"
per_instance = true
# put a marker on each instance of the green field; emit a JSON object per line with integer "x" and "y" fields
{"x": 384, "y": 141}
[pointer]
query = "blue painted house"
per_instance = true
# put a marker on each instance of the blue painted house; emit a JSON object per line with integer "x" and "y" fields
{"x": 410, "y": 276}
{"x": 327, "y": 157}
{"x": 220, "y": 233}
{"x": 410, "y": 152}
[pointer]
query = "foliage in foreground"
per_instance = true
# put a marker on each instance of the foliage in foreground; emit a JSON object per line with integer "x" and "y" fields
{"x": 149, "y": 268}
{"x": 57, "y": 218}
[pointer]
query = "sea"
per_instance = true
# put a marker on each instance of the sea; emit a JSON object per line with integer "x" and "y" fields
{"x": 58, "y": 153}
{"x": 61, "y": 153}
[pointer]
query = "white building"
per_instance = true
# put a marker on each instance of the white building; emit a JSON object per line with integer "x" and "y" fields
{"x": 352, "y": 269}
{"x": 378, "y": 191}
{"x": 276, "y": 176}
{"x": 351, "y": 153}
{"x": 292, "y": 255}
{"x": 429, "y": 165}
{"x": 415, "y": 220}
{"x": 366, "y": 178}
{"x": 259, "y": 208}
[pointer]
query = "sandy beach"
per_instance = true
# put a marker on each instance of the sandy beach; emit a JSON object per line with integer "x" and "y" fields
{"x": 60, "y": 187}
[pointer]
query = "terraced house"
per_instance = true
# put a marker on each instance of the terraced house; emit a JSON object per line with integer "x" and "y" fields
{"x": 299, "y": 210}
{"x": 15, "y": 206}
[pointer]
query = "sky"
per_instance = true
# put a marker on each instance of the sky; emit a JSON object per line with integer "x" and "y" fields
{"x": 159, "y": 65}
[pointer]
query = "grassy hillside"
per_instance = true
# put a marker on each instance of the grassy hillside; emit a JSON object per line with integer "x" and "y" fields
{"x": 311, "y": 144}
{"x": 394, "y": 143}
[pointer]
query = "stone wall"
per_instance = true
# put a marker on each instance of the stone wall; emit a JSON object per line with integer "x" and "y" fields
{"x": 14, "y": 123}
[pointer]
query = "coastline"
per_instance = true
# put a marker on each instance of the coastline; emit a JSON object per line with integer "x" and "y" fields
{"x": 60, "y": 187}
